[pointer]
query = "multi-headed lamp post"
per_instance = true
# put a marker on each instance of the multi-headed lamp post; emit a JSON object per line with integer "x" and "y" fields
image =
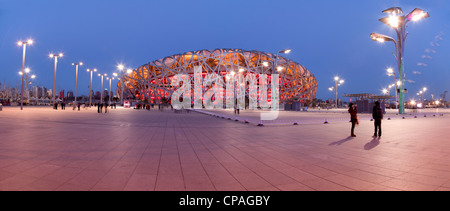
{"x": 337, "y": 82}
{"x": 397, "y": 20}
{"x": 76, "y": 80}
{"x": 24, "y": 45}
{"x": 55, "y": 56}
{"x": 90, "y": 87}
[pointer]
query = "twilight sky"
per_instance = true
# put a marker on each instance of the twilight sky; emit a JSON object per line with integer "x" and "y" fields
{"x": 329, "y": 37}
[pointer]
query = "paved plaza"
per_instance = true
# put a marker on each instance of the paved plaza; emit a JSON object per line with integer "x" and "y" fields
{"x": 127, "y": 149}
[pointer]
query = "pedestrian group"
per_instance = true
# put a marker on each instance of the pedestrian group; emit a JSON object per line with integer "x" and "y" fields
{"x": 377, "y": 115}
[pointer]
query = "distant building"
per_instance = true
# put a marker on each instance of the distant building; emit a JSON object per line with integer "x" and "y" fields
{"x": 49, "y": 93}
{"x": 152, "y": 81}
{"x": 37, "y": 92}
{"x": 70, "y": 96}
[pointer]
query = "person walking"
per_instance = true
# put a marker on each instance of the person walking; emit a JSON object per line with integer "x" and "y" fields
{"x": 377, "y": 114}
{"x": 353, "y": 117}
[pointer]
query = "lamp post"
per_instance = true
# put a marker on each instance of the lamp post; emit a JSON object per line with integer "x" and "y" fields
{"x": 275, "y": 62}
{"x": 279, "y": 69}
{"x": 101, "y": 93}
{"x": 24, "y": 45}
{"x": 27, "y": 77}
{"x": 337, "y": 82}
{"x": 391, "y": 72}
{"x": 121, "y": 67}
{"x": 109, "y": 91}
{"x": 90, "y": 87}
{"x": 398, "y": 22}
{"x": 76, "y": 80}
{"x": 389, "y": 91}
{"x": 420, "y": 93}
{"x": 54, "y": 78}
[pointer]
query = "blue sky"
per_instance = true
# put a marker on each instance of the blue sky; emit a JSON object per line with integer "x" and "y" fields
{"x": 329, "y": 37}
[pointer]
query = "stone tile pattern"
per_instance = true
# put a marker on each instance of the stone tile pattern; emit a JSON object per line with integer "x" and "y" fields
{"x": 131, "y": 150}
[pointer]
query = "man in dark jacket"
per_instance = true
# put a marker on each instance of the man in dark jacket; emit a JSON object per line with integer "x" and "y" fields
{"x": 353, "y": 117}
{"x": 377, "y": 115}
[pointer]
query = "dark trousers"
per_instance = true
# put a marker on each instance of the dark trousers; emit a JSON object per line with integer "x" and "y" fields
{"x": 353, "y": 125}
{"x": 377, "y": 123}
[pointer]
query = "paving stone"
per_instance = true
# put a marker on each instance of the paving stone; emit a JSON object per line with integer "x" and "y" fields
{"x": 127, "y": 149}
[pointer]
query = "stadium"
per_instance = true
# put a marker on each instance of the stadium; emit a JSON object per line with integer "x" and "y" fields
{"x": 151, "y": 82}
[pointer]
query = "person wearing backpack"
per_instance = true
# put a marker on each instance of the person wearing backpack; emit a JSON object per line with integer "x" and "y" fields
{"x": 377, "y": 115}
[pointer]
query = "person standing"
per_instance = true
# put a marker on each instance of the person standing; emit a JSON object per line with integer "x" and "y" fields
{"x": 377, "y": 114}
{"x": 353, "y": 117}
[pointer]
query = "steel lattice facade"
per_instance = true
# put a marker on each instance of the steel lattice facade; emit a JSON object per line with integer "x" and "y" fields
{"x": 152, "y": 81}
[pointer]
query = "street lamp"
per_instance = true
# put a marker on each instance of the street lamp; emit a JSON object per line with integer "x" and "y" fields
{"x": 24, "y": 45}
{"x": 420, "y": 93}
{"x": 277, "y": 68}
{"x": 412, "y": 103}
{"x": 27, "y": 77}
{"x": 437, "y": 103}
{"x": 390, "y": 72}
{"x": 275, "y": 62}
{"x": 55, "y": 56}
{"x": 101, "y": 93}
{"x": 76, "y": 81}
{"x": 90, "y": 87}
{"x": 286, "y": 51}
{"x": 121, "y": 67}
{"x": 109, "y": 91}
{"x": 398, "y": 22}
{"x": 337, "y": 82}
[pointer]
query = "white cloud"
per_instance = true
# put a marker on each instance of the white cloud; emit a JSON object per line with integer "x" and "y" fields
{"x": 421, "y": 64}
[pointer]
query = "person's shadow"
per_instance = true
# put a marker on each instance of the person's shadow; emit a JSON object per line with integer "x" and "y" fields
{"x": 341, "y": 141}
{"x": 372, "y": 144}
